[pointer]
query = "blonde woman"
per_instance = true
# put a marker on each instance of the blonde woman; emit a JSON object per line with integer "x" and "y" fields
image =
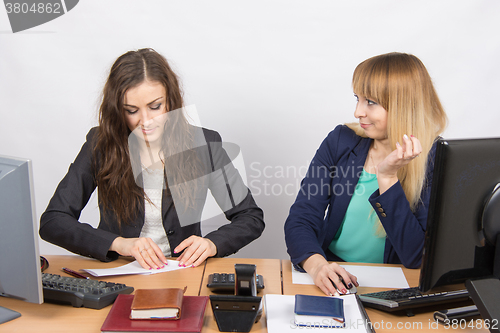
{"x": 365, "y": 197}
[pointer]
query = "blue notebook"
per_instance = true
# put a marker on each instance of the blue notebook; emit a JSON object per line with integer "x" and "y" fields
{"x": 319, "y": 311}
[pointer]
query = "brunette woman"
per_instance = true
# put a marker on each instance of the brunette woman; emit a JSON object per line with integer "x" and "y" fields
{"x": 152, "y": 170}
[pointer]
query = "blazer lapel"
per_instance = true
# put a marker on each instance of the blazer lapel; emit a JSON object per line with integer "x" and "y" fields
{"x": 349, "y": 173}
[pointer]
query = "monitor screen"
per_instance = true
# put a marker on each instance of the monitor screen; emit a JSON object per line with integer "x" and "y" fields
{"x": 20, "y": 275}
{"x": 466, "y": 172}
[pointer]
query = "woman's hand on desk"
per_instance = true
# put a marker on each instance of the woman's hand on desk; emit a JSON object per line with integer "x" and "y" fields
{"x": 324, "y": 273}
{"x": 196, "y": 250}
{"x": 143, "y": 249}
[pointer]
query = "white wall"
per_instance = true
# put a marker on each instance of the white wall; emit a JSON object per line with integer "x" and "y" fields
{"x": 271, "y": 76}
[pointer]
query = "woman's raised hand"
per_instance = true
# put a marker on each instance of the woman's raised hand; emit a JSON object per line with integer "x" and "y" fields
{"x": 403, "y": 154}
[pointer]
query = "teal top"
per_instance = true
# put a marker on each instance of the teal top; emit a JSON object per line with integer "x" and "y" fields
{"x": 358, "y": 239}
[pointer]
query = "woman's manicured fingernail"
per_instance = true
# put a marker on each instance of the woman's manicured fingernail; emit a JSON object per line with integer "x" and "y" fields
{"x": 412, "y": 136}
{"x": 406, "y": 137}
{"x": 344, "y": 291}
{"x": 349, "y": 285}
{"x": 397, "y": 144}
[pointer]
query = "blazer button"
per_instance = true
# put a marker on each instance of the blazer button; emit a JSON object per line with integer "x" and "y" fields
{"x": 383, "y": 215}
{"x": 170, "y": 232}
{"x": 381, "y": 210}
{"x": 378, "y": 204}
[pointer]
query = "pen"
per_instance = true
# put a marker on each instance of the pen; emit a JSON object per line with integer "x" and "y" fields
{"x": 73, "y": 273}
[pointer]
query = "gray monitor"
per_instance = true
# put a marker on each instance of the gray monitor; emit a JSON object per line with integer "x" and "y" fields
{"x": 20, "y": 274}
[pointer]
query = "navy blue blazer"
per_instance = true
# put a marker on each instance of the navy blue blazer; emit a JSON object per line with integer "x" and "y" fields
{"x": 60, "y": 224}
{"x": 328, "y": 187}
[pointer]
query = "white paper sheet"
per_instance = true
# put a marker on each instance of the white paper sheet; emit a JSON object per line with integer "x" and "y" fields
{"x": 368, "y": 276}
{"x": 134, "y": 268}
{"x": 280, "y": 315}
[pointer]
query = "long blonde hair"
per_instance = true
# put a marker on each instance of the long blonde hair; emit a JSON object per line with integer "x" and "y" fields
{"x": 400, "y": 83}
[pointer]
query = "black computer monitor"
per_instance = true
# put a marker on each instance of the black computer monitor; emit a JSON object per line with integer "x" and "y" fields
{"x": 466, "y": 174}
{"x": 20, "y": 274}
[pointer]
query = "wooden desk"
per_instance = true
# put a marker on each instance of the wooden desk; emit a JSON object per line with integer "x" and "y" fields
{"x": 383, "y": 321}
{"x": 49, "y": 317}
{"x": 270, "y": 269}
{"x": 62, "y": 318}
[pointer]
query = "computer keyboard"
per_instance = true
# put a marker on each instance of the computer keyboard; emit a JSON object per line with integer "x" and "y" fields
{"x": 81, "y": 292}
{"x": 400, "y": 299}
{"x": 225, "y": 282}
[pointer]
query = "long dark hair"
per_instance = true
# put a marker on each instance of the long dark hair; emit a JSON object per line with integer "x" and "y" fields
{"x": 118, "y": 190}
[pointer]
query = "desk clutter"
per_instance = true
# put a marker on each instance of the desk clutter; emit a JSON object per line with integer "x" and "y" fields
{"x": 278, "y": 301}
{"x": 191, "y": 316}
{"x": 168, "y": 310}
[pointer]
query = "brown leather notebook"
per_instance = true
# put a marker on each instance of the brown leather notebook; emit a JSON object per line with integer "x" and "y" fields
{"x": 157, "y": 304}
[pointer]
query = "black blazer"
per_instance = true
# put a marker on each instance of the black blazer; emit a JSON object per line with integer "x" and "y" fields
{"x": 59, "y": 223}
